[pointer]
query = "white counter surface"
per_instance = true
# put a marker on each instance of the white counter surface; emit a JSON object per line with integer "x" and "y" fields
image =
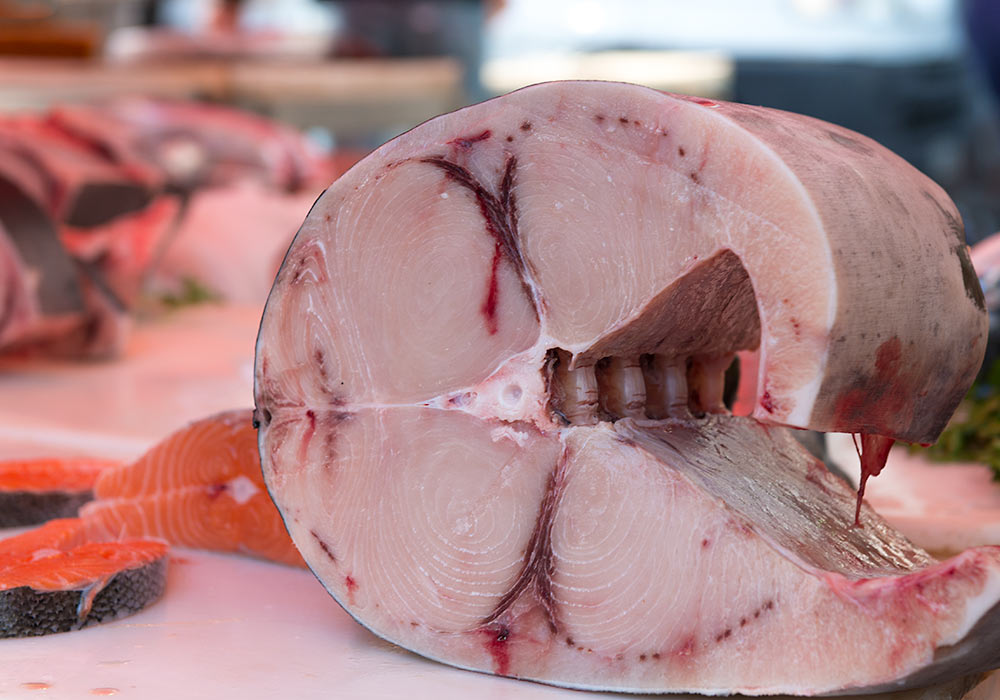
{"x": 227, "y": 627}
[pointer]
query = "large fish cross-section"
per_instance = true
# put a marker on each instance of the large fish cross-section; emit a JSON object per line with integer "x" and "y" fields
{"x": 489, "y": 380}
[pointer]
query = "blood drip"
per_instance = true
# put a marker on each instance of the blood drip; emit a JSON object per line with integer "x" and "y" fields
{"x": 496, "y": 644}
{"x": 873, "y": 453}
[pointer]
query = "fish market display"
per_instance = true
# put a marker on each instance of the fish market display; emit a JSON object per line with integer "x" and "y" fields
{"x": 63, "y": 576}
{"x": 75, "y": 184}
{"x": 200, "y": 487}
{"x": 192, "y": 144}
{"x": 49, "y": 296}
{"x": 33, "y": 491}
{"x": 489, "y": 385}
{"x": 93, "y": 199}
{"x": 219, "y": 225}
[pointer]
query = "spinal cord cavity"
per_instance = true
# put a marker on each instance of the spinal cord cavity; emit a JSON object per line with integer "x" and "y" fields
{"x": 489, "y": 383}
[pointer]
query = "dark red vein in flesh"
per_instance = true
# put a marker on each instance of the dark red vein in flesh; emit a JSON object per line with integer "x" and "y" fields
{"x": 538, "y": 567}
{"x": 489, "y": 307}
{"x": 873, "y": 453}
{"x": 499, "y": 212}
{"x": 468, "y": 141}
{"x": 307, "y": 436}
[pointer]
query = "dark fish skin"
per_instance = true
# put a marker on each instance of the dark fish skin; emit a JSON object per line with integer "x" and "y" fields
{"x": 25, "y": 612}
{"x": 18, "y": 508}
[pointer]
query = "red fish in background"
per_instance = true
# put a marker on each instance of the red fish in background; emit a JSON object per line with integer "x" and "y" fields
{"x": 94, "y": 197}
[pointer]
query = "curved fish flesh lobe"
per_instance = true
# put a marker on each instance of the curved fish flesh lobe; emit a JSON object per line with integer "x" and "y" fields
{"x": 489, "y": 379}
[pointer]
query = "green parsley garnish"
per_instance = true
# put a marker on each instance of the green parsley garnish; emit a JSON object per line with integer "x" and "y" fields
{"x": 192, "y": 292}
{"x": 973, "y": 435}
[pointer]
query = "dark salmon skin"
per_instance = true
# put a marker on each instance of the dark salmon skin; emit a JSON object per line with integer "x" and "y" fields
{"x": 63, "y": 576}
{"x": 35, "y": 490}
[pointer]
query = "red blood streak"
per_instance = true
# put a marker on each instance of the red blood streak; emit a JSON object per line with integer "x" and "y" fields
{"x": 489, "y": 307}
{"x": 767, "y": 403}
{"x": 352, "y": 586}
{"x": 307, "y": 436}
{"x": 496, "y": 645}
{"x": 499, "y": 215}
{"x": 873, "y": 453}
{"x": 467, "y": 141}
{"x": 703, "y": 101}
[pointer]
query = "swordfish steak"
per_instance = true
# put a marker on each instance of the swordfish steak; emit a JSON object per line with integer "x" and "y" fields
{"x": 489, "y": 384}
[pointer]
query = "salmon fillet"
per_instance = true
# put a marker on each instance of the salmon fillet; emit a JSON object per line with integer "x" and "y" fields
{"x": 33, "y": 491}
{"x": 200, "y": 487}
{"x": 65, "y": 575}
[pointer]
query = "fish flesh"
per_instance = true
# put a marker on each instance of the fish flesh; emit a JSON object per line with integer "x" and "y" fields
{"x": 192, "y": 145}
{"x": 35, "y": 490}
{"x": 62, "y": 576}
{"x": 18, "y": 307}
{"x": 43, "y": 295}
{"x": 248, "y": 226}
{"x": 94, "y": 197}
{"x": 78, "y": 186}
{"x": 200, "y": 487}
{"x": 489, "y": 381}
{"x": 56, "y": 200}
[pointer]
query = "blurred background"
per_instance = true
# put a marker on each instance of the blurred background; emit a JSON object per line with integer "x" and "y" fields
{"x": 918, "y": 75}
{"x": 173, "y": 88}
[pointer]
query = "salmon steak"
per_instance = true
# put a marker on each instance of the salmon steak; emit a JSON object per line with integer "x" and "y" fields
{"x": 489, "y": 382}
{"x": 35, "y": 490}
{"x": 199, "y": 487}
{"x": 63, "y": 576}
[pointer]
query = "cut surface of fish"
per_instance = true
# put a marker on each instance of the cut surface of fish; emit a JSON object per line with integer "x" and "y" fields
{"x": 490, "y": 379}
{"x": 33, "y": 491}
{"x": 200, "y": 487}
{"x": 64, "y": 576}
